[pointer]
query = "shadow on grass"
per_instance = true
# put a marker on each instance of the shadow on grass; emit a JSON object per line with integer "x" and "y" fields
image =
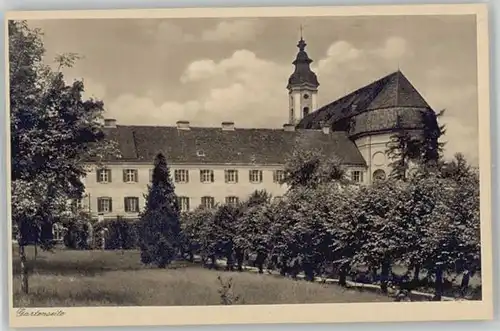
{"x": 46, "y": 265}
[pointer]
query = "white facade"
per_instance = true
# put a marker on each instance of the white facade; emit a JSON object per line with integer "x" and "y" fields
{"x": 224, "y": 187}
{"x": 373, "y": 148}
{"x": 192, "y": 191}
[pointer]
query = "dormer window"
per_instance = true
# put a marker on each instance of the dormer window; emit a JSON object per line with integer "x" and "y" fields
{"x": 200, "y": 153}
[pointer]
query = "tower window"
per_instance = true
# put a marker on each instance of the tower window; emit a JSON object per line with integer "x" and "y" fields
{"x": 306, "y": 111}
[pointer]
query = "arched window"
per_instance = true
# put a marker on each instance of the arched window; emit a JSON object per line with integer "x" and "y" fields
{"x": 306, "y": 111}
{"x": 379, "y": 176}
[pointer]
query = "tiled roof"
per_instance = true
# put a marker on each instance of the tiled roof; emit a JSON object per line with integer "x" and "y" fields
{"x": 216, "y": 146}
{"x": 391, "y": 91}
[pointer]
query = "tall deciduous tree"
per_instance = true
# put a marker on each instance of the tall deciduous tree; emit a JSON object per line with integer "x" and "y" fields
{"x": 252, "y": 235}
{"x": 310, "y": 168}
{"x": 53, "y": 130}
{"x": 159, "y": 223}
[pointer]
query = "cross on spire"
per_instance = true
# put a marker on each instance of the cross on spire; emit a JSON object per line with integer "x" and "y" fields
{"x": 302, "y": 44}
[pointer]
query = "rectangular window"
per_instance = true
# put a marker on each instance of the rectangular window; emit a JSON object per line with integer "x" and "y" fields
{"x": 206, "y": 176}
{"x": 131, "y": 204}
{"x": 232, "y": 201}
{"x": 208, "y": 202}
{"x": 231, "y": 176}
{"x": 181, "y": 176}
{"x": 130, "y": 176}
{"x": 104, "y": 205}
{"x": 183, "y": 203}
{"x": 357, "y": 176}
{"x": 278, "y": 176}
{"x": 255, "y": 176}
{"x": 150, "y": 175}
{"x": 103, "y": 175}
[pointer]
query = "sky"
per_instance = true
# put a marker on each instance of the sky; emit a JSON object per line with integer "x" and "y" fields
{"x": 206, "y": 71}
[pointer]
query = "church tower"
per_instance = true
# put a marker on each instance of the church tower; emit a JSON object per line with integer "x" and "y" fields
{"x": 302, "y": 86}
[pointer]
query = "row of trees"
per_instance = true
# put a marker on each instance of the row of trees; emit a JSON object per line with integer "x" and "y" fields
{"x": 431, "y": 223}
{"x": 427, "y": 222}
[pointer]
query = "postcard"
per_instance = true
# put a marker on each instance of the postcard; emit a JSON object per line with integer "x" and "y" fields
{"x": 249, "y": 165}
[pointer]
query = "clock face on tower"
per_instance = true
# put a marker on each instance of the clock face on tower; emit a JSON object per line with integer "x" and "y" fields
{"x": 306, "y": 96}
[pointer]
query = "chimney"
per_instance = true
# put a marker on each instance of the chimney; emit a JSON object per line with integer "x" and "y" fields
{"x": 109, "y": 123}
{"x": 288, "y": 127}
{"x": 326, "y": 129}
{"x": 183, "y": 125}
{"x": 227, "y": 126}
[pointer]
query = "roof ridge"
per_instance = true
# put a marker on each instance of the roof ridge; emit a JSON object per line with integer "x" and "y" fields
{"x": 133, "y": 126}
{"x": 346, "y": 96}
{"x": 398, "y": 76}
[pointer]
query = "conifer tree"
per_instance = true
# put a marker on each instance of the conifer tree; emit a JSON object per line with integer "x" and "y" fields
{"x": 431, "y": 148}
{"x": 159, "y": 223}
{"x": 401, "y": 150}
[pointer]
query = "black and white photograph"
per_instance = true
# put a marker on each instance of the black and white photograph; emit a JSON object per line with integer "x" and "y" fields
{"x": 288, "y": 159}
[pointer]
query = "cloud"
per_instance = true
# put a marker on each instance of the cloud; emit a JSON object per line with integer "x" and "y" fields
{"x": 244, "y": 89}
{"x": 338, "y": 53}
{"x": 199, "y": 70}
{"x": 233, "y": 31}
{"x": 250, "y": 91}
{"x": 130, "y": 109}
{"x": 394, "y": 48}
{"x": 247, "y": 89}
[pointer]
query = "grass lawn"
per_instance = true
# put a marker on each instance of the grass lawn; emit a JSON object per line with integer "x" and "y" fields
{"x": 114, "y": 278}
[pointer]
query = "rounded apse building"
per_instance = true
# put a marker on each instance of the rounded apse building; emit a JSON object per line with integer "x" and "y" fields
{"x": 371, "y": 115}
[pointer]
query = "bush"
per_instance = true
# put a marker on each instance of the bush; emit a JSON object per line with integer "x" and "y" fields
{"x": 77, "y": 235}
{"x": 120, "y": 234}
